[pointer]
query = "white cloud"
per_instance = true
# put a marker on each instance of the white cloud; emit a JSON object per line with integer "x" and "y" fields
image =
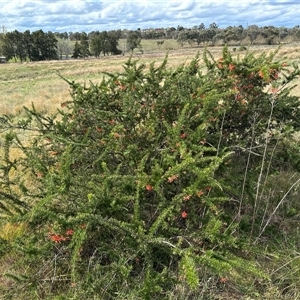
{"x": 79, "y": 15}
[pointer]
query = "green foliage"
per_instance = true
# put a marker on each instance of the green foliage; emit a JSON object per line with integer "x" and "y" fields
{"x": 34, "y": 46}
{"x": 133, "y": 41}
{"x": 105, "y": 42}
{"x": 81, "y": 49}
{"x": 139, "y": 183}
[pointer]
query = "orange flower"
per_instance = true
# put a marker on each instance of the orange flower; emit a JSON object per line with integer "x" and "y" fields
{"x": 149, "y": 187}
{"x": 187, "y": 198}
{"x": 184, "y": 214}
{"x": 231, "y": 67}
{"x": 39, "y": 174}
{"x": 261, "y": 74}
{"x": 172, "y": 178}
{"x": 57, "y": 238}
{"x": 200, "y": 193}
{"x": 116, "y": 135}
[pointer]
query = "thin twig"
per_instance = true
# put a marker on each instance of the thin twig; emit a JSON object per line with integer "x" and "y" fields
{"x": 259, "y": 181}
{"x": 277, "y": 207}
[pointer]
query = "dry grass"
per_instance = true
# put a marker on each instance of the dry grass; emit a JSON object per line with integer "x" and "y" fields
{"x": 24, "y": 83}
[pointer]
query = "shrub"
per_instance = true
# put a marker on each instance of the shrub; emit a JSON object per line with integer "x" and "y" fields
{"x": 141, "y": 181}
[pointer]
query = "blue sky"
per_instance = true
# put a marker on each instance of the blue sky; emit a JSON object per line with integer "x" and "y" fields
{"x": 89, "y": 15}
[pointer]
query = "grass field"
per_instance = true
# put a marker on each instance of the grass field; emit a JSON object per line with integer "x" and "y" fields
{"x": 38, "y": 82}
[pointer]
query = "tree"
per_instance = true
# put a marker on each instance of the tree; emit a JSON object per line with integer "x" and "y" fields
{"x": 19, "y": 45}
{"x": 64, "y": 47}
{"x": 2, "y": 34}
{"x": 183, "y": 37}
{"x": 95, "y": 43}
{"x": 201, "y": 26}
{"x": 28, "y": 44}
{"x": 105, "y": 42}
{"x": 113, "y": 41}
{"x": 8, "y": 47}
{"x": 133, "y": 41}
{"x": 81, "y": 48}
{"x": 77, "y": 50}
{"x": 33, "y": 46}
{"x": 252, "y": 32}
{"x": 75, "y": 36}
{"x": 171, "y": 33}
{"x": 213, "y": 26}
{"x": 13, "y": 46}
{"x": 200, "y": 36}
{"x": 44, "y": 46}
{"x": 84, "y": 45}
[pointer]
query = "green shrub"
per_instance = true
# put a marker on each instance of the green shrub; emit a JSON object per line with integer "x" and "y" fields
{"x": 141, "y": 181}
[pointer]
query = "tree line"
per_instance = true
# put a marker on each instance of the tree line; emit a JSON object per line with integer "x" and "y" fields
{"x": 40, "y": 45}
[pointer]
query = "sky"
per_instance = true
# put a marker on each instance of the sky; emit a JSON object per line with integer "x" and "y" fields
{"x": 90, "y": 15}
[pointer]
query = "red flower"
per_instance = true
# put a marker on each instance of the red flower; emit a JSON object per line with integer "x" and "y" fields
{"x": 184, "y": 214}
{"x": 231, "y": 67}
{"x": 274, "y": 90}
{"x": 57, "y": 238}
{"x": 223, "y": 280}
{"x": 149, "y": 187}
{"x": 183, "y": 135}
{"x": 208, "y": 188}
{"x": 70, "y": 232}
